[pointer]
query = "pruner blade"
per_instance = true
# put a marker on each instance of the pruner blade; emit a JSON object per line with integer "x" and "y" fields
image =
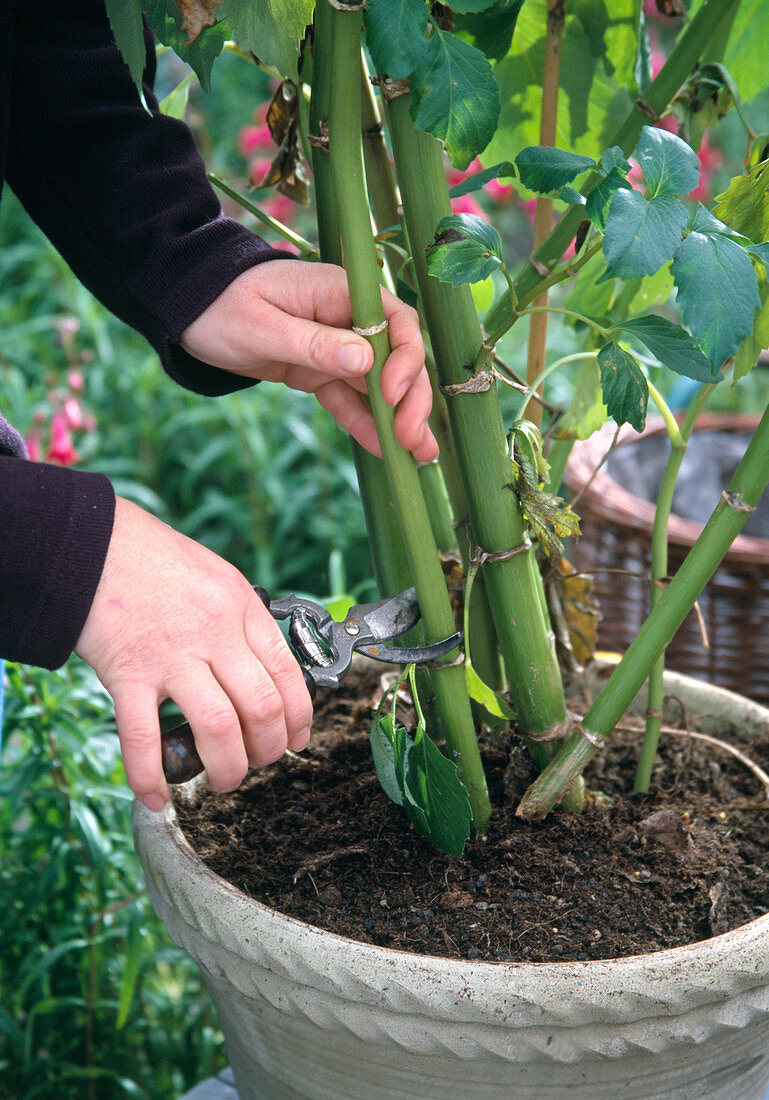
{"x": 325, "y": 649}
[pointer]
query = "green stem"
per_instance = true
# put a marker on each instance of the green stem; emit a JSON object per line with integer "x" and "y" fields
{"x": 536, "y": 382}
{"x": 518, "y": 307}
{"x": 366, "y": 300}
{"x": 388, "y": 554}
{"x": 566, "y": 313}
{"x": 479, "y": 436}
{"x": 679, "y": 438}
{"x": 557, "y": 457}
{"x": 307, "y": 248}
{"x": 745, "y": 489}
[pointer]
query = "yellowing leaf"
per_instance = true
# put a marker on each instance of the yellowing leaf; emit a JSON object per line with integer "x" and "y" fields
{"x": 579, "y": 609}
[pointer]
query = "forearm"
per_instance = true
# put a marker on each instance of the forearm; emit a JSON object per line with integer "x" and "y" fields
{"x": 122, "y": 195}
{"x": 54, "y": 534}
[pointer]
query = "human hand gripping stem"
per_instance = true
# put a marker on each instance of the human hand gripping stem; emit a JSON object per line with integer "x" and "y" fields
{"x": 171, "y": 619}
{"x": 290, "y": 321}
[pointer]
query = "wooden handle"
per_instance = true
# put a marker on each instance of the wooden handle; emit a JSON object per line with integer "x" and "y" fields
{"x": 180, "y": 757}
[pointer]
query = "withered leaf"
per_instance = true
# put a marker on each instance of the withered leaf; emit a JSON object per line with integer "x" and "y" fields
{"x": 197, "y": 15}
{"x": 287, "y": 171}
{"x": 549, "y": 516}
{"x": 579, "y": 610}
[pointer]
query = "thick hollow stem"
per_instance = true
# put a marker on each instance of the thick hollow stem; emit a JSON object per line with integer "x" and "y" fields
{"x": 391, "y": 565}
{"x": 365, "y": 295}
{"x": 737, "y": 502}
{"x": 479, "y": 435}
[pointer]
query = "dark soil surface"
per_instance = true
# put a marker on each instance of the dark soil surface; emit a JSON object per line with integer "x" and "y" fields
{"x": 315, "y": 837}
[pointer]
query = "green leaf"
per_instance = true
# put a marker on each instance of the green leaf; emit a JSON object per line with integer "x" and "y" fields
{"x": 705, "y": 98}
{"x": 745, "y": 204}
{"x": 623, "y": 384}
{"x": 758, "y": 339}
{"x": 572, "y": 196}
{"x": 396, "y": 35}
{"x": 672, "y": 345}
{"x": 717, "y": 293}
{"x": 641, "y": 234}
{"x": 544, "y": 170}
{"x": 165, "y": 20}
{"x": 271, "y": 29}
{"x": 464, "y": 7}
{"x": 614, "y": 158}
{"x": 586, "y": 412}
{"x": 486, "y": 696}
{"x": 760, "y": 250}
{"x": 597, "y": 87}
{"x": 175, "y": 103}
{"x": 125, "y": 19}
{"x": 131, "y": 964}
{"x": 455, "y": 97}
{"x": 506, "y": 170}
{"x": 493, "y": 31}
{"x": 745, "y": 52}
{"x": 669, "y": 165}
{"x": 415, "y": 775}
{"x": 436, "y": 798}
{"x": 388, "y": 746}
{"x": 600, "y": 196}
{"x": 466, "y": 249}
{"x": 702, "y": 221}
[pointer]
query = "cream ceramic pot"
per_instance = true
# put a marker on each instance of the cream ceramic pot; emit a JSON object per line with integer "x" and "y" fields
{"x": 308, "y": 1015}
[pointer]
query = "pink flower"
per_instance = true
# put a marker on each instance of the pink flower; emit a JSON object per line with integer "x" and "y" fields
{"x": 257, "y": 170}
{"x": 253, "y": 138}
{"x": 73, "y": 414}
{"x": 711, "y": 160}
{"x": 500, "y": 192}
{"x": 466, "y": 204}
{"x": 280, "y": 207}
{"x": 33, "y": 446}
{"x": 61, "y": 448}
{"x": 75, "y": 380}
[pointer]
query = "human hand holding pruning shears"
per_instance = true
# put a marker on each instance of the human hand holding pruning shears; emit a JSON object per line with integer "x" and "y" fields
{"x": 325, "y": 650}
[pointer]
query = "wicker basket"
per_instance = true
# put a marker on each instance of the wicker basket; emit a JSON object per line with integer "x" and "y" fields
{"x": 616, "y": 535}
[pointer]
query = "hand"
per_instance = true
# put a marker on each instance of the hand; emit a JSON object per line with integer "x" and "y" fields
{"x": 172, "y": 620}
{"x": 289, "y": 321}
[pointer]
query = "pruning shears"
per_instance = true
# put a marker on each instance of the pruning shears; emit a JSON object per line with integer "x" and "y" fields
{"x": 324, "y": 649}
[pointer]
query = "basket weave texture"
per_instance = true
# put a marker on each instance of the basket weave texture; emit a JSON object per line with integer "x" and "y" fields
{"x": 616, "y": 535}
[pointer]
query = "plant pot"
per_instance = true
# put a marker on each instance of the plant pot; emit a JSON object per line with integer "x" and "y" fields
{"x": 616, "y": 523}
{"x": 309, "y": 1014}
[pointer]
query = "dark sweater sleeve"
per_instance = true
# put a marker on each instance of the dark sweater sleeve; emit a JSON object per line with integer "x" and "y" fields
{"x": 55, "y": 527}
{"x": 121, "y": 194}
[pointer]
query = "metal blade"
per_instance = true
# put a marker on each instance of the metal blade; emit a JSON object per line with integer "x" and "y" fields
{"x": 402, "y": 655}
{"x": 386, "y": 618}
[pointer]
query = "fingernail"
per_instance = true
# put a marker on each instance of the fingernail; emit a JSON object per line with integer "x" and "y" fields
{"x": 301, "y": 740}
{"x": 352, "y": 358}
{"x": 154, "y": 802}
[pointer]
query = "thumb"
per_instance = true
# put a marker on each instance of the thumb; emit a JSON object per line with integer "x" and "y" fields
{"x": 336, "y": 352}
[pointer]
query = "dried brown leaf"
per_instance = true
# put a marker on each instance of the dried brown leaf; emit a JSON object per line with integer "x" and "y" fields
{"x": 287, "y": 171}
{"x": 197, "y": 15}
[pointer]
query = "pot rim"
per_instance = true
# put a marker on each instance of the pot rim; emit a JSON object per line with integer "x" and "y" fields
{"x": 618, "y": 505}
{"x": 633, "y": 987}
